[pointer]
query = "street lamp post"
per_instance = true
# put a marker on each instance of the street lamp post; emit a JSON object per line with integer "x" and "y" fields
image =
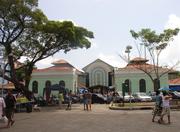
{"x": 128, "y": 50}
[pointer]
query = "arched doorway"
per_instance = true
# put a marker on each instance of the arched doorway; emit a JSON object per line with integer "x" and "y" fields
{"x": 47, "y": 90}
{"x": 127, "y": 83}
{"x": 35, "y": 87}
{"x": 62, "y": 83}
{"x": 142, "y": 85}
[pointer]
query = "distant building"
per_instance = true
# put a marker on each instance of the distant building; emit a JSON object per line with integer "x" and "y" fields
{"x": 137, "y": 79}
{"x": 98, "y": 76}
{"x": 61, "y": 74}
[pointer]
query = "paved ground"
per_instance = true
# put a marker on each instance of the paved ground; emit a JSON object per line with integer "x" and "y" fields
{"x": 100, "y": 119}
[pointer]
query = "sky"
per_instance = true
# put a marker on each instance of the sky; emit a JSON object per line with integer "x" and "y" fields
{"x": 111, "y": 22}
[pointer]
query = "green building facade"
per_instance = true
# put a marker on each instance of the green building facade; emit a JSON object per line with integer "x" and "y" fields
{"x": 98, "y": 73}
{"x": 62, "y": 73}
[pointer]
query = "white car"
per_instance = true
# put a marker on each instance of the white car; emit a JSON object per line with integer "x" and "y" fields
{"x": 127, "y": 97}
{"x": 143, "y": 97}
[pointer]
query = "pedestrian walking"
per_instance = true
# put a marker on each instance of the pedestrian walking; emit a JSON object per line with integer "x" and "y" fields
{"x": 69, "y": 100}
{"x": 85, "y": 100}
{"x": 166, "y": 107}
{"x": 89, "y": 100}
{"x": 61, "y": 100}
{"x": 158, "y": 105}
{"x": 10, "y": 106}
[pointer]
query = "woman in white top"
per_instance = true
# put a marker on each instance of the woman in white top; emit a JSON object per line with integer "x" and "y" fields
{"x": 166, "y": 107}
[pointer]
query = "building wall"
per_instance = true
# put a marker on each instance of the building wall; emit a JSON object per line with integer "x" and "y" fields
{"x": 135, "y": 78}
{"x": 70, "y": 80}
{"x": 98, "y": 72}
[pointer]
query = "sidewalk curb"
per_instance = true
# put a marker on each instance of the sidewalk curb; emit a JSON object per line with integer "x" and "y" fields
{"x": 131, "y": 108}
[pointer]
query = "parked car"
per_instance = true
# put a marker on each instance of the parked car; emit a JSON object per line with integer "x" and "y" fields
{"x": 142, "y": 97}
{"x": 98, "y": 98}
{"x": 127, "y": 97}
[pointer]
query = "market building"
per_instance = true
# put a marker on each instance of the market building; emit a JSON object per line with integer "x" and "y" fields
{"x": 97, "y": 76}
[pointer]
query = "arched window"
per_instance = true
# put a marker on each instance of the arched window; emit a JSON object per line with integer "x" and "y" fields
{"x": 35, "y": 87}
{"x": 62, "y": 83}
{"x": 127, "y": 83}
{"x": 48, "y": 84}
{"x": 142, "y": 85}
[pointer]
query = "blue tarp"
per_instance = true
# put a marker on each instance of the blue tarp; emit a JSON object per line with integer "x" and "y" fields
{"x": 165, "y": 89}
{"x": 174, "y": 87}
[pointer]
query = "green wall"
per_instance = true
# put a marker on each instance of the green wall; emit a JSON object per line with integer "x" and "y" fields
{"x": 68, "y": 79}
{"x": 135, "y": 82}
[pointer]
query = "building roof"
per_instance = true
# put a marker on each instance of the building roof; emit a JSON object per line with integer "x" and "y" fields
{"x": 62, "y": 63}
{"x": 139, "y": 63}
{"x": 174, "y": 81}
{"x": 97, "y": 60}
{"x": 59, "y": 65}
{"x": 54, "y": 68}
{"x": 138, "y": 60}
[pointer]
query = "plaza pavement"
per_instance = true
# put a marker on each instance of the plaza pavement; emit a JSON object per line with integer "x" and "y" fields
{"x": 100, "y": 119}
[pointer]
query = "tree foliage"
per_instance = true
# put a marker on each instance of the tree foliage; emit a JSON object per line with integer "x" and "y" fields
{"x": 26, "y": 32}
{"x": 154, "y": 43}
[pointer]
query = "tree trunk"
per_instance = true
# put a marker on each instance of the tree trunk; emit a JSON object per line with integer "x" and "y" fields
{"x": 156, "y": 84}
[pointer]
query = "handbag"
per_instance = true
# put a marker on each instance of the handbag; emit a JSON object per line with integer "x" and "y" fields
{"x": 3, "y": 119}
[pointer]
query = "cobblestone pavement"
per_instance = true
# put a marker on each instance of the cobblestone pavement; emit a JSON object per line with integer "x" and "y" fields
{"x": 100, "y": 119}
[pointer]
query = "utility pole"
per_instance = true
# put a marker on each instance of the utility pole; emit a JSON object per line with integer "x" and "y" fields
{"x": 128, "y": 50}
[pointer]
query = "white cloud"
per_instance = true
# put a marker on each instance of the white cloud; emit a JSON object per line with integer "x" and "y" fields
{"x": 112, "y": 60}
{"x": 171, "y": 54}
{"x": 173, "y": 22}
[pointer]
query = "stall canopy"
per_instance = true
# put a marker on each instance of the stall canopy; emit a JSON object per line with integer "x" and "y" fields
{"x": 7, "y": 86}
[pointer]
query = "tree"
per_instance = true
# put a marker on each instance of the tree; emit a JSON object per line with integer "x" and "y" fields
{"x": 26, "y": 32}
{"x": 154, "y": 44}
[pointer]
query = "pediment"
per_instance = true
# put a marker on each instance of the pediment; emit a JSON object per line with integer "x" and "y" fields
{"x": 98, "y": 63}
